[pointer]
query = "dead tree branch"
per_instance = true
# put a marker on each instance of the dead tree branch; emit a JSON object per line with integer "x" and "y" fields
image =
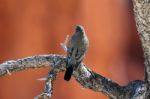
{"x": 83, "y": 75}
{"x": 86, "y": 77}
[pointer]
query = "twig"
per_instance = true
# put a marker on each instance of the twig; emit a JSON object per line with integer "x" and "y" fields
{"x": 63, "y": 45}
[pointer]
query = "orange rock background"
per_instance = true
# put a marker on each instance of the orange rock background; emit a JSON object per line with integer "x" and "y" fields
{"x": 33, "y": 27}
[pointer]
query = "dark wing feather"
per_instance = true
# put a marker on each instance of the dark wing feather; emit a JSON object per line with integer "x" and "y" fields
{"x": 68, "y": 73}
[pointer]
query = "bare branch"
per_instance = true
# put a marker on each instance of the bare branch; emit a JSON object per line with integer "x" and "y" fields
{"x": 89, "y": 79}
{"x": 48, "y": 90}
{"x": 83, "y": 75}
{"x": 31, "y": 62}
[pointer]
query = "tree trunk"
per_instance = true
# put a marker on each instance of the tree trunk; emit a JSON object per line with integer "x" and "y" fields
{"x": 142, "y": 18}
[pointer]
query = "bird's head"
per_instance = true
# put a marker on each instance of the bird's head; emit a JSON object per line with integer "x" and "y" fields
{"x": 79, "y": 29}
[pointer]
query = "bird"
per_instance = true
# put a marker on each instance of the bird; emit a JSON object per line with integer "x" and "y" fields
{"x": 76, "y": 49}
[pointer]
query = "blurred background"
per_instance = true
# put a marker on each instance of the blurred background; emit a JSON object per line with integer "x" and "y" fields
{"x": 33, "y": 27}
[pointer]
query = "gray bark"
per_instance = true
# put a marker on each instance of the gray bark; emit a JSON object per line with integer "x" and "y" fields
{"x": 142, "y": 18}
{"x": 86, "y": 77}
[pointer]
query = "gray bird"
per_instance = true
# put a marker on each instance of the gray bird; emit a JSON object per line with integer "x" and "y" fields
{"x": 76, "y": 50}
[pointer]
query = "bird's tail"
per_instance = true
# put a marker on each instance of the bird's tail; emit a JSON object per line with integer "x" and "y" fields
{"x": 68, "y": 73}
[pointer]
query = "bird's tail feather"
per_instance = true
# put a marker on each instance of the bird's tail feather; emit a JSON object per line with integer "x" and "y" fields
{"x": 68, "y": 73}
